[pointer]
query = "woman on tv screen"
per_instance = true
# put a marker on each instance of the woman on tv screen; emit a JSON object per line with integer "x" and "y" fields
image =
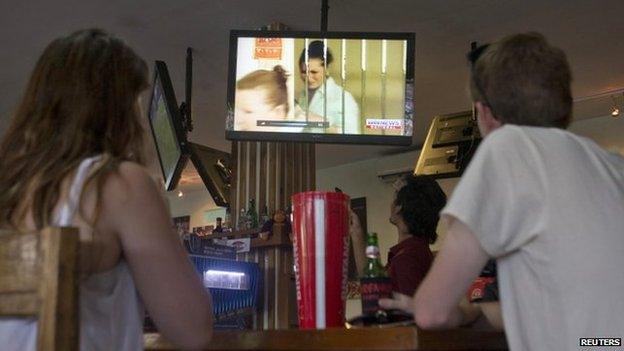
{"x": 322, "y": 100}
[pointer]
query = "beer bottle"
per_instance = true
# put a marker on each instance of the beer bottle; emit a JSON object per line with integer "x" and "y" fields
{"x": 242, "y": 220}
{"x": 375, "y": 283}
{"x": 252, "y": 214}
{"x": 264, "y": 216}
{"x": 219, "y": 227}
{"x": 227, "y": 221}
{"x": 373, "y": 269}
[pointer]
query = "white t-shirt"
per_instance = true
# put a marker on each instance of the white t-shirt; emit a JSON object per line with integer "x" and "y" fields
{"x": 549, "y": 205}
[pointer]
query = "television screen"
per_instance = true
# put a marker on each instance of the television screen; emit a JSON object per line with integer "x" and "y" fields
{"x": 335, "y": 87}
{"x": 451, "y": 142}
{"x": 167, "y": 129}
{"x": 215, "y": 170}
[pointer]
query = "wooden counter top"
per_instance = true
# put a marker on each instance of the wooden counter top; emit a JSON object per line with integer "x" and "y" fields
{"x": 400, "y": 338}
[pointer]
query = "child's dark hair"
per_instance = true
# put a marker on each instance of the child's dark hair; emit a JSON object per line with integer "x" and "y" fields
{"x": 421, "y": 199}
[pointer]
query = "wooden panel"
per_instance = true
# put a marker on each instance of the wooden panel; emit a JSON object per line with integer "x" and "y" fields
{"x": 400, "y": 338}
{"x": 266, "y": 282}
{"x": 22, "y": 304}
{"x": 39, "y": 278}
{"x": 19, "y": 262}
{"x": 283, "y": 285}
{"x": 262, "y": 197}
{"x": 234, "y": 205}
{"x": 252, "y": 177}
{"x": 279, "y": 185}
{"x": 300, "y": 163}
{"x": 269, "y": 261}
{"x": 271, "y": 172}
{"x": 312, "y": 166}
{"x": 286, "y": 180}
{"x": 272, "y": 165}
{"x": 242, "y": 171}
{"x": 303, "y": 162}
{"x": 290, "y": 168}
{"x": 19, "y": 274}
{"x": 59, "y": 317}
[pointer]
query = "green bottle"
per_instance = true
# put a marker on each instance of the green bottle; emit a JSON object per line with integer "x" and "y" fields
{"x": 375, "y": 283}
{"x": 374, "y": 268}
{"x": 252, "y": 214}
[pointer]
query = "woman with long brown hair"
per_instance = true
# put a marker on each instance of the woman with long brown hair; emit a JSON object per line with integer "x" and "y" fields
{"x": 73, "y": 156}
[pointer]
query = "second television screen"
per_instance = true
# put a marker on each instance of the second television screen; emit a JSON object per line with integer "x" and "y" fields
{"x": 345, "y": 88}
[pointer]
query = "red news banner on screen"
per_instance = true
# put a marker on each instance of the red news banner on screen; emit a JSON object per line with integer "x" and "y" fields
{"x": 268, "y": 49}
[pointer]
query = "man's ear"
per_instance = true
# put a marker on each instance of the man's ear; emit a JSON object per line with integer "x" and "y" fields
{"x": 485, "y": 118}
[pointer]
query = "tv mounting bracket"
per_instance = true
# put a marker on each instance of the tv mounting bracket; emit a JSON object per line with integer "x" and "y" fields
{"x": 185, "y": 106}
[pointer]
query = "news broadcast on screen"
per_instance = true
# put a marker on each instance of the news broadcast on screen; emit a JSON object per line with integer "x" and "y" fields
{"x": 340, "y": 84}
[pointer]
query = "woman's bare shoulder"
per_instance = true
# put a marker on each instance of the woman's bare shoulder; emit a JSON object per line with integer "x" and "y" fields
{"x": 128, "y": 193}
{"x": 130, "y": 178}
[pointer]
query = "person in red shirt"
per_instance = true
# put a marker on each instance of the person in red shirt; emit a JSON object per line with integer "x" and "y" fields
{"x": 415, "y": 213}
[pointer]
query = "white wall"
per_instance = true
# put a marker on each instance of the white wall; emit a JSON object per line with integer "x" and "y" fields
{"x": 607, "y": 131}
{"x": 192, "y": 204}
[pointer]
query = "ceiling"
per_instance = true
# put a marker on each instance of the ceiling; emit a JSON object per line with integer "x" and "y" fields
{"x": 590, "y": 31}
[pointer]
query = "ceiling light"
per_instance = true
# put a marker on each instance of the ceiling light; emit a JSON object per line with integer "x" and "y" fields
{"x": 180, "y": 193}
{"x": 615, "y": 112}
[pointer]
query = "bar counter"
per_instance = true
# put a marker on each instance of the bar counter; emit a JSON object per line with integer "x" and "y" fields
{"x": 400, "y": 338}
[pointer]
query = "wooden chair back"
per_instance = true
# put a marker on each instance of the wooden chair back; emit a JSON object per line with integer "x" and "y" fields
{"x": 39, "y": 278}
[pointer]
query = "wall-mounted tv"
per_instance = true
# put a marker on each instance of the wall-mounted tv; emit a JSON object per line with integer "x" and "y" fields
{"x": 451, "y": 142}
{"x": 215, "y": 170}
{"x": 331, "y": 87}
{"x": 167, "y": 129}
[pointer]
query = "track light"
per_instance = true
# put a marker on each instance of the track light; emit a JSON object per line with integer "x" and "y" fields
{"x": 180, "y": 193}
{"x": 615, "y": 111}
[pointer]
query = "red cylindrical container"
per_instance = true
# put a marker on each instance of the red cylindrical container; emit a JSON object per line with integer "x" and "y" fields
{"x": 321, "y": 236}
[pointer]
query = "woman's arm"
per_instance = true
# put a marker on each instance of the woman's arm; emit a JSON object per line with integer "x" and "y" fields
{"x": 168, "y": 284}
{"x": 493, "y": 314}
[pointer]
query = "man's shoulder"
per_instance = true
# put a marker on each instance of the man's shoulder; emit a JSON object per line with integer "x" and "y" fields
{"x": 511, "y": 133}
{"x": 510, "y": 140}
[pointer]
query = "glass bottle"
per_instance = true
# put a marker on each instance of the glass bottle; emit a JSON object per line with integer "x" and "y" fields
{"x": 375, "y": 283}
{"x": 219, "y": 227}
{"x": 228, "y": 218}
{"x": 252, "y": 214}
{"x": 374, "y": 268}
{"x": 242, "y": 220}
{"x": 264, "y": 216}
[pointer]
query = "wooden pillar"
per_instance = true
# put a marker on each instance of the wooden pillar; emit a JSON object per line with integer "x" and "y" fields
{"x": 270, "y": 173}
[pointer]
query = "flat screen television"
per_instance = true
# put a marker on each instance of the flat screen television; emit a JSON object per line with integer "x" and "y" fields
{"x": 451, "y": 142}
{"x": 215, "y": 170}
{"x": 167, "y": 129}
{"x": 328, "y": 87}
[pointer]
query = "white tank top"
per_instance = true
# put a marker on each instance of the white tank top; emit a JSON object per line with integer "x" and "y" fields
{"x": 111, "y": 314}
